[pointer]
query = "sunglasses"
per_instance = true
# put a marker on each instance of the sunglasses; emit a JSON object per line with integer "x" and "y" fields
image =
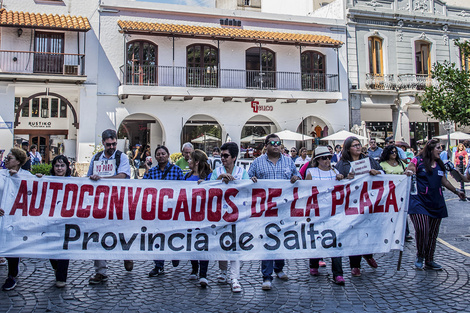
{"x": 325, "y": 157}
{"x": 393, "y": 152}
{"x": 111, "y": 144}
{"x": 225, "y": 155}
{"x": 293, "y": 151}
{"x": 274, "y": 143}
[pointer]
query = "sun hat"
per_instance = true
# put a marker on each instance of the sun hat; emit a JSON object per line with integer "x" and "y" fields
{"x": 322, "y": 151}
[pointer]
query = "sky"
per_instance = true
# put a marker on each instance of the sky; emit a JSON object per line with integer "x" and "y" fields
{"x": 202, "y": 3}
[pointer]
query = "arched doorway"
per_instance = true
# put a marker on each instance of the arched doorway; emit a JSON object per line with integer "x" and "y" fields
{"x": 315, "y": 127}
{"x": 257, "y": 126}
{"x": 203, "y": 131}
{"x": 143, "y": 129}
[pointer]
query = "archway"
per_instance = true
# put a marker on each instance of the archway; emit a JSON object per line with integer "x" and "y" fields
{"x": 315, "y": 127}
{"x": 203, "y": 131}
{"x": 143, "y": 129}
{"x": 256, "y": 126}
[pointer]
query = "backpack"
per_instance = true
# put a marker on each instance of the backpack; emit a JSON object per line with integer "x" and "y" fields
{"x": 117, "y": 157}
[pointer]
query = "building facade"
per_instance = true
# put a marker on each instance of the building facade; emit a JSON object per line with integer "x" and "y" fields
{"x": 167, "y": 74}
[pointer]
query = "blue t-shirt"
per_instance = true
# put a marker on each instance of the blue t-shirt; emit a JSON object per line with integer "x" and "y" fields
{"x": 196, "y": 177}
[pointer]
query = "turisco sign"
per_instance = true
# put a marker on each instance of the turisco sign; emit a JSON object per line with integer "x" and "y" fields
{"x": 256, "y": 107}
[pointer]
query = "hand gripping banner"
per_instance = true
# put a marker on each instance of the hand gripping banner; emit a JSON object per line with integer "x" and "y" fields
{"x": 77, "y": 218}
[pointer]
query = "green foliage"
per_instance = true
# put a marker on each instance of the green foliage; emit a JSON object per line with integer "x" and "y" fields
{"x": 176, "y": 156}
{"x": 449, "y": 100}
{"x": 44, "y": 169}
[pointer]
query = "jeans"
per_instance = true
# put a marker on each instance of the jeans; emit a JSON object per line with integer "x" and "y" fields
{"x": 13, "y": 264}
{"x": 61, "y": 267}
{"x": 200, "y": 266}
{"x": 159, "y": 263}
{"x": 355, "y": 260}
{"x": 336, "y": 265}
{"x": 267, "y": 267}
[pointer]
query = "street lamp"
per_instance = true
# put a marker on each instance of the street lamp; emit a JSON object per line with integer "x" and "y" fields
{"x": 448, "y": 126}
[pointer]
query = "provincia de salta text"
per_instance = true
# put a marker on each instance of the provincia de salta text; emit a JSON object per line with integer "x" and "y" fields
{"x": 123, "y": 219}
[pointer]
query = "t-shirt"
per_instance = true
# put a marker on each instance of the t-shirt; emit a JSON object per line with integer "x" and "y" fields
{"x": 318, "y": 174}
{"x": 388, "y": 169}
{"x": 183, "y": 165}
{"x": 237, "y": 172}
{"x": 197, "y": 178}
{"x": 299, "y": 162}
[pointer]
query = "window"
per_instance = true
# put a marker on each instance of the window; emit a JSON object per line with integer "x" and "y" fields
{"x": 313, "y": 70}
{"x": 63, "y": 109}
{"x": 260, "y": 68}
{"x": 35, "y": 107}
{"x": 54, "y": 107}
{"x": 49, "y": 53}
{"x": 423, "y": 58}
{"x": 375, "y": 56}
{"x": 202, "y": 63}
{"x": 141, "y": 63}
{"x": 17, "y": 103}
{"x": 25, "y": 110}
{"x": 464, "y": 60}
{"x": 44, "y": 107}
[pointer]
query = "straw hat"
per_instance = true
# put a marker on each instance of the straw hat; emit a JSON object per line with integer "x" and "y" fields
{"x": 322, "y": 151}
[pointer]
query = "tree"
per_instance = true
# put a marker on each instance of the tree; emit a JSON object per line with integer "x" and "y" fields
{"x": 449, "y": 99}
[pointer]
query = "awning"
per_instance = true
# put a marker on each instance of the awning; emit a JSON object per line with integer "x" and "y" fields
{"x": 43, "y": 21}
{"x": 228, "y": 34}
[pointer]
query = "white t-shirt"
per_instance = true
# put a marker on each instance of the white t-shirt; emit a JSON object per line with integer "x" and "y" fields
{"x": 299, "y": 162}
{"x": 318, "y": 174}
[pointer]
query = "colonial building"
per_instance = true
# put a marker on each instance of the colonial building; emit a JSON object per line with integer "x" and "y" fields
{"x": 163, "y": 74}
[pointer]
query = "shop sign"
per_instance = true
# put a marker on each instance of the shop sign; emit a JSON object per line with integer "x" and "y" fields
{"x": 40, "y": 124}
{"x": 257, "y": 107}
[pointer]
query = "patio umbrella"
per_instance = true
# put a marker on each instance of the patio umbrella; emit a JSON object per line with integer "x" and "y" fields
{"x": 290, "y": 135}
{"x": 251, "y": 138}
{"x": 205, "y": 138}
{"x": 342, "y": 135}
{"x": 455, "y": 136}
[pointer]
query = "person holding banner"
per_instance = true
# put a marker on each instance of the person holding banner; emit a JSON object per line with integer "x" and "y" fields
{"x": 200, "y": 170}
{"x": 60, "y": 167}
{"x": 428, "y": 207}
{"x": 163, "y": 171}
{"x": 230, "y": 172}
{"x": 352, "y": 163}
{"x": 13, "y": 163}
{"x": 273, "y": 165}
{"x": 321, "y": 170}
{"x": 110, "y": 163}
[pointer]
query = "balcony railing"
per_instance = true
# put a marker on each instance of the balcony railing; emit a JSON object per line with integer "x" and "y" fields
{"x": 415, "y": 81}
{"x": 380, "y": 81}
{"x": 211, "y": 77}
{"x": 42, "y": 62}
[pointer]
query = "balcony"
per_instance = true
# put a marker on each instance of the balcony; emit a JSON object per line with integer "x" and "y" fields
{"x": 415, "y": 81}
{"x": 43, "y": 63}
{"x": 211, "y": 77}
{"x": 380, "y": 81}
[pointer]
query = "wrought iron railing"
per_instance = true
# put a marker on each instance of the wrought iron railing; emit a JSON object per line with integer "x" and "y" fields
{"x": 211, "y": 77}
{"x": 415, "y": 81}
{"x": 380, "y": 81}
{"x": 42, "y": 62}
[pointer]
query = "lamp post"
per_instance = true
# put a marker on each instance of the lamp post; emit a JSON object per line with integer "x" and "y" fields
{"x": 448, "y": 126}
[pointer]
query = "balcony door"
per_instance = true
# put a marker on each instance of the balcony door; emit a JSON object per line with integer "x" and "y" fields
{"x": 423, "y": 58}
{"x": 375, "y": 56}
{"x": 313, "y": 71}
{"x": 48, "y": 56}
{"x": 260, "y": 68}
{"x": 201, "y": 67}
{"x": 141, "y": 63}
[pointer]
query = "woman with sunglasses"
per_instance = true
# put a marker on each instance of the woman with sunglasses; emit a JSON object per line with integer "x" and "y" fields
{"x": 321, "y": 170}
{"x": 200, "y": 170}
{"x": 427, "y": 208}
{"x": 352, "y": 152}
{"x": 13, "y": 162}
{"x": 60, "y": 167}
{"x": 390, "y": 161}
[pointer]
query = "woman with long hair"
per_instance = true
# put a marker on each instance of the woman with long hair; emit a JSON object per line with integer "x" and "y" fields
{"x": 13, "y": 162}
{"x": 352, "y": 152}
{"x": 461, "y": 152}
{"x": 200, "y": 170}
{"x": 427, "y": 207}
{"x": 60, "y": 167}
{"x": 321, "y": 170}
{"x": 390, "y": 161}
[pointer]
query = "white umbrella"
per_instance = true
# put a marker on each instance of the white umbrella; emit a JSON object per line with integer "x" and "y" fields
{"x": 251, "y": 138}
{"x": 205, "y": 138}
{"x": 455, "y": 136}
{"x": 342, "y": 135}
{"x": 290, "y": 135}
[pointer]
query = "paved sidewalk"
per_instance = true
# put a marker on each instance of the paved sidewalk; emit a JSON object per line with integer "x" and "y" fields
{"x": 382, "y": 290}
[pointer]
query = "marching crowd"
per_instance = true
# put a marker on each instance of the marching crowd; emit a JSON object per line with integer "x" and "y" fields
{"x": 426, "y": 208}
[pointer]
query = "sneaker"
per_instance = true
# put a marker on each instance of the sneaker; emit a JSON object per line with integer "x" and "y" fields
{"x": 339, "y": 280}
{"x": 193, "y": 276}
{"x": 175, "y": 263}
{"x": 282, "y": 275}
{"x": 409, "y": 238}
{"x": 356, "y": 272}
{"x": 236, "y": 287}
{"x": 419, "y": 263}
{"x": 128, "y": 265}
{"x": 203, "y": 282}
{"x": 267, "y": 285}
{"x": 321, "y": 263}
{"x": 156, "y": 271}
{"x": 222, "y": 278}
{"x": 314, "y": 272}
{"x": 98, "y": 279}
{"x": 433, "y": 266}
{"x": 9, "y": 284}
{"x": 3, "y": 261}
{"x": 371, "y": 262}
{"x": 60, "y": 284}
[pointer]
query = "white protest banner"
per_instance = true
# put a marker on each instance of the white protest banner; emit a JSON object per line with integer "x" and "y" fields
{"x": 361, "y": 166}
{"x": 77, "y": 218}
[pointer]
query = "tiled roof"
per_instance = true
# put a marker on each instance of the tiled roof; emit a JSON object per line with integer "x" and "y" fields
{"x": 228, "y": 33}
{"x": 47, "y": 21}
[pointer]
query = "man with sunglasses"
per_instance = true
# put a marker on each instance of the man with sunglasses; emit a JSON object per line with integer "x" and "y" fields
{"x": 273, "y": 165}
{"x": 122, "y": 170}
